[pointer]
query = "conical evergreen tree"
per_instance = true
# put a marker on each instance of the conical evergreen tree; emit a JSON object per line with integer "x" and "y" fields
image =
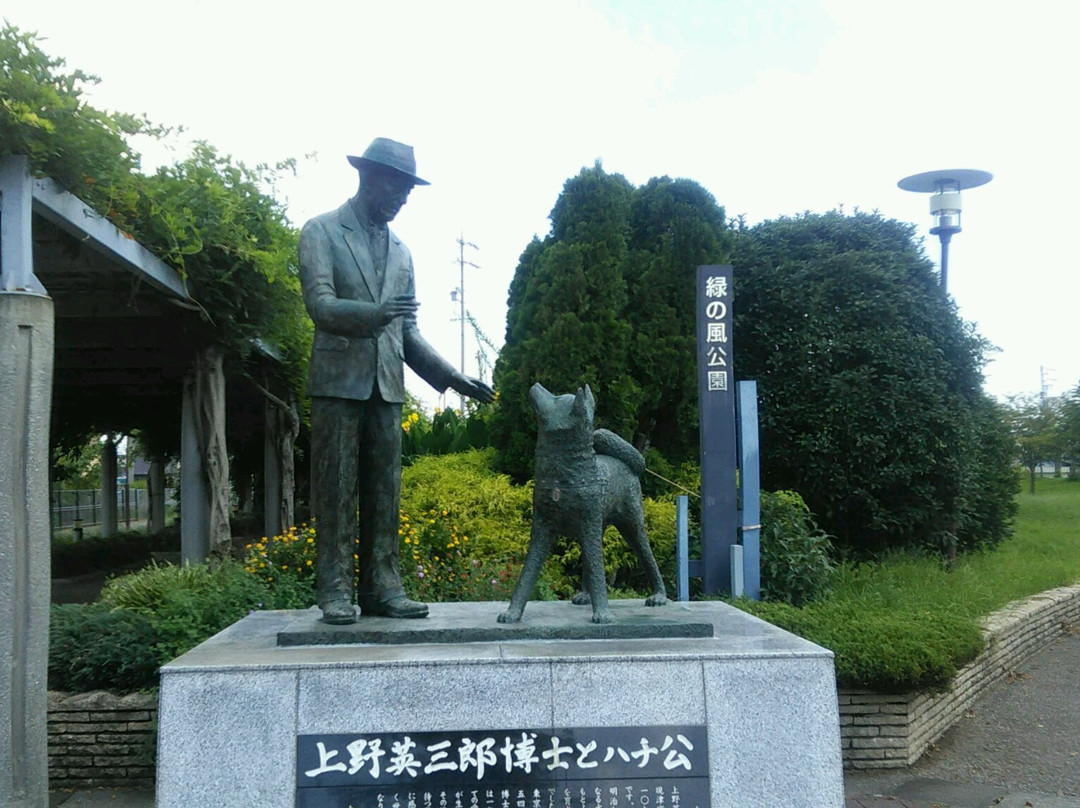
{"x": 565, "y": 326}
{"x": 607, "y": 300}
{"x": 676, "y": 227}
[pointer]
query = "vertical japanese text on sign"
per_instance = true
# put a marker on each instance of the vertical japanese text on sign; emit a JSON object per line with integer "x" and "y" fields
{"x": 716, "y": 404}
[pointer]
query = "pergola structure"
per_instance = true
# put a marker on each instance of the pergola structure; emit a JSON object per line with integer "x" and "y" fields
{"x": 88, "y": 315}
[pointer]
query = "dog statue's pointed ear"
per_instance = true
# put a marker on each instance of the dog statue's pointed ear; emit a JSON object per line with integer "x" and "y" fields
{"x": 584, "y": 401}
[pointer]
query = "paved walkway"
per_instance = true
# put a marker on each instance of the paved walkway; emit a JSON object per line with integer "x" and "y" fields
{"x": 1019, "y": 747}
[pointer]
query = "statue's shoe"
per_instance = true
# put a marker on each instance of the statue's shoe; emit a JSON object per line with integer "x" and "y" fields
{"x": 400, "y": 606}
{"x": 339, "y": 613}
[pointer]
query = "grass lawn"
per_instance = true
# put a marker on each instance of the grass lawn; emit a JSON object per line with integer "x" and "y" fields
{"x": 906, "y": 623}
{"x": 1044, "y": 553}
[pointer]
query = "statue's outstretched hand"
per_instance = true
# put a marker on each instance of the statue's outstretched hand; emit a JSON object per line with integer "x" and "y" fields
{"x": 397, "y": 307}
{"x": 473, "y": 388}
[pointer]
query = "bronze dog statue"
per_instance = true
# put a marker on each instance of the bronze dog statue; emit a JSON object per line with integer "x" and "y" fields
{"x": 586, "y": 479}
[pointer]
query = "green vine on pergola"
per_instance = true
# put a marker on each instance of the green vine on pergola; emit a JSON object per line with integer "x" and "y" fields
{"x": 212, "y": 218}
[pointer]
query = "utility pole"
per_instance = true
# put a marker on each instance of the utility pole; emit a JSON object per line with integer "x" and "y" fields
{"x": 459, "y": 295}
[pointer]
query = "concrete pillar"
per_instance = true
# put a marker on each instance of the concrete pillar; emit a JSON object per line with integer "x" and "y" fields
{"x": 109, "y": 517}
{"x": 194, "y": 502}
{"x": 26, "y": 367}
{"x": 16, "y": 214}
{"x": 155, "y": 482}
{"x": 271, "y": 472}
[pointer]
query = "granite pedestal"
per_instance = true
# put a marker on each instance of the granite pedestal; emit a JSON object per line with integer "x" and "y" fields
{"x": 232, "y": 710}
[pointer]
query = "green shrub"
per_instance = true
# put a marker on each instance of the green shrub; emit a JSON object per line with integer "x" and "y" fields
{"x": 664, "y": 480}
{"x": 888, "y": 651}
{"x": 438, "y": 563}
{"x": 988, "y": 487}
{"x": 286, "y": 563}
{"x": 621, "y": 565}
{"x": 72, "y": 556}
{"x": 461, "y": 493}
{"x": 795, "y": 565}
{"x": 445, "y": 433}
{"x": 869, "y": 384}
{"x": 145, "y": 590}
{"x": 495, "y": 514}
{"x": 189, "y": 604}
{"x": 93, "y": 647}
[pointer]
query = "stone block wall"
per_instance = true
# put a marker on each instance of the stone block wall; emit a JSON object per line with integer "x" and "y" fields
{"x": 100, "y": 739}
{"x": 880, "y": 731}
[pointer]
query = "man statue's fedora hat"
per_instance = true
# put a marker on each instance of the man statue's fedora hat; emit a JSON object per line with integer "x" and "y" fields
{"x": 390, "y": 154}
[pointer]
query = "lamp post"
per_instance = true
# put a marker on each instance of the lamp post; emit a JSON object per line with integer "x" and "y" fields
{"x": 944, "y": 188}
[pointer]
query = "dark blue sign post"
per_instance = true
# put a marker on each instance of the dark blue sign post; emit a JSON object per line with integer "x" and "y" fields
{"x": 716, "y": 397}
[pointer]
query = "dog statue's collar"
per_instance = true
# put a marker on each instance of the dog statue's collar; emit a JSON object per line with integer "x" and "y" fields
{"x": 555, "y": 489}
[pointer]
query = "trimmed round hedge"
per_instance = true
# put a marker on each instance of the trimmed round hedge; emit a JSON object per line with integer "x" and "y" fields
{"x": 894, "y": 651}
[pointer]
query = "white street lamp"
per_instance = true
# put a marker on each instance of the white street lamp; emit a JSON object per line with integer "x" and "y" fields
{"x": 944, "y": 188}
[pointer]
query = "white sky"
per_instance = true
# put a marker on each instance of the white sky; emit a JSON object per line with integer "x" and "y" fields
{"x": 775, "y": 107}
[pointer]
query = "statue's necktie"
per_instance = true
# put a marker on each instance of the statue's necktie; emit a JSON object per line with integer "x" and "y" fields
{"x": 379, "y": 242}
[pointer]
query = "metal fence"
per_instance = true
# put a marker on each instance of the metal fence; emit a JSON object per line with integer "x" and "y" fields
{"x": 85, "y": 506}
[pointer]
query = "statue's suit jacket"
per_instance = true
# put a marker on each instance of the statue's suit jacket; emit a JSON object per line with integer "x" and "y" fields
{"x": 342, "y": 293}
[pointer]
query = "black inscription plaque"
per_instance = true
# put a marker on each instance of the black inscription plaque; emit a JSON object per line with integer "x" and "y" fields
{"x": 585, "y": 767}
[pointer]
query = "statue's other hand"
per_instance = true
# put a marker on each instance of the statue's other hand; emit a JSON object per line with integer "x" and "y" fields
{"x": 395, "y": 307}
{"x": 474, "y": 388}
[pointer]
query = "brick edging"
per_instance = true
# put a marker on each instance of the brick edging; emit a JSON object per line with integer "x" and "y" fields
{"x": 880, "y": 731}
{"x": 100, "y": 739}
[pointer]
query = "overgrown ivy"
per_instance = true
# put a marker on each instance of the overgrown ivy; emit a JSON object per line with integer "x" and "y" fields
{"x": 214, "y": 219}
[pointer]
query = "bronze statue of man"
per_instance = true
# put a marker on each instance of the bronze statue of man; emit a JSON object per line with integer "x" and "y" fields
{"x": 359, "y": 290}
